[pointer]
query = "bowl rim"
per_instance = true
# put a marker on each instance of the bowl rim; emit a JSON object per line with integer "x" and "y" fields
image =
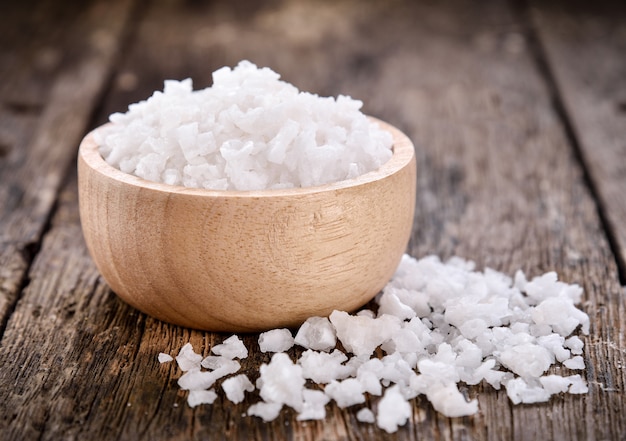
{"x": 403, "y": 153}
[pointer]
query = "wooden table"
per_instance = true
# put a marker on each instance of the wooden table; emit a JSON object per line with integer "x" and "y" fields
{"x": 518, "y": 114}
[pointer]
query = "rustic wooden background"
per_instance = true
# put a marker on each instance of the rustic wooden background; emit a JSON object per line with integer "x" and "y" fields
{"x": 518, "y": 113}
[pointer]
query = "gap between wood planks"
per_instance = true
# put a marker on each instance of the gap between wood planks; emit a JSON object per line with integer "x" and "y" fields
{"x": 546, "y": 72}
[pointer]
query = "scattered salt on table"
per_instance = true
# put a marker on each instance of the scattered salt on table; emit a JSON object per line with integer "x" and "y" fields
{"x": 438, "y": 324}
{"x": 165, "y": 358}
{"x": 276, "y": 340}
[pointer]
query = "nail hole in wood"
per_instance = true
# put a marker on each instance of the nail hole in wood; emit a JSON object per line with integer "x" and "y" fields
{"x": 23, "y": 107}
{"x": 621, "y": 107}
{"x": 4, "y": 149}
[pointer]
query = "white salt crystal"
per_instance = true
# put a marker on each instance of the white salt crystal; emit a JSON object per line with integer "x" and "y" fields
{"x": 393, "y": 410}
{"x": 276, "y": 340}
{"x": 187, "y": 359}
{"x": 555, "y": 344}
{"x": 390, "y": 303}
{"x": 281, "y": 381}
{"x": 491, "y": 311}
{"x": 555, "y": 384}
{"x": 316, "y": 333}
{"x": 370, "y": 382}
{"x": 231, "y": 348}
{"x": 561, "y": 314}
{"x": 197, "y": 397}
{"x": 527, "y": 359}
{"x": 438, "y": 371}
{"x": 447, "y": 399}
{"x": 578, "y": 386}
{"x": 576, "y": 362}
{"x": 165, "y": 358}
{"x": 266, "y": 411}
{"x": 196, "y": 380}
{"x": 215, "y": 362}
{"x": 322, "y": 367}
{"x": 575, "y": 344}
{"x": 346, "y": 392}
{"x": 361, "y": 335}
{"x": 473, "y": 327}
{"x": 363, "y": 313}
{"x": 396, "y": 369}
{"x": 468, "y": 354}
{"x": 235, "y": 387}
{"x": 404, "y": 340}
{"x": 365, "y": 415}
{"x": 314, "y": 407}
{"x": 519, "y": 391}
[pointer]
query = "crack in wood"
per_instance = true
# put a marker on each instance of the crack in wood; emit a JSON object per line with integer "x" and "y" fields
{"x": 546, "y": 71}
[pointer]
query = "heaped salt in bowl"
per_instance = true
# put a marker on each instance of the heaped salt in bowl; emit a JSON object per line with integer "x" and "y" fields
{"x": 248, "y": 131}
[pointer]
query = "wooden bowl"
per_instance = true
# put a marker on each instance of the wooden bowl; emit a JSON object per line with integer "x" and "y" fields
{"x": 246, "y": 260}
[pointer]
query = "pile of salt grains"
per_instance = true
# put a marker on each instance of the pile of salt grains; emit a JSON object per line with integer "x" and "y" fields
{"x": 248, "y": 131}
{"x": 437, "y": 325}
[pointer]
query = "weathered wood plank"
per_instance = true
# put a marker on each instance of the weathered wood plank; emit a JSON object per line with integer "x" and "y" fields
{"x": 498, "y": 183}
{"x": 56, "y": 60}
{"x": 586, "y": 52}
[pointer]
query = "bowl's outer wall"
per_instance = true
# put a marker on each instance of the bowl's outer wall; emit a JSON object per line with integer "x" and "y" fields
{"x": 245, "y": 263}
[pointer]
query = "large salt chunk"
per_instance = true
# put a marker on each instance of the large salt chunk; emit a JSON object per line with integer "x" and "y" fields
{"x": 554, "y": 384}
{"x": 266, "y": 411}
{"x": 404, "y": 340}
{"x": 576, "y": 362}
{"x": 365, "y": 415}
{"x": 547, "y": 286}
{"x": 362, "y": 335}
{"x": 221, "y": 366}
{"x": 316, "y": 333}
{"x": 187, "y": 359}
{"x": 346, "y": 392}
{"x": 314, "y": 407}
{"x": 575, "y": 344}
{"x": 492, "y": 311}
{"x": 393, "y": 410}
{"x": 231, "y": 348}
{"x": 578, "y": 385}
{"x": 235, "y": 387}
{"x": 389, "y": 303}
{"x": 555, "y": 344}
{"x": 519, "y": 391}
{"x": 281, "y": 381}
{"x": 561, "y": 314}
{"x": 196, "y": 380}
{"x": 527, "y": 359}
{"x": 447, "y": 399}
{"x": 276, "y": 340}
{"x": 197, "y": 397}
{"x": 322, "y": 367}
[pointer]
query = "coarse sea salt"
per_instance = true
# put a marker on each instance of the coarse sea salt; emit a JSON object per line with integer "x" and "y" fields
{"x": 248, "y": 131}
{"x": 437, "y": 325}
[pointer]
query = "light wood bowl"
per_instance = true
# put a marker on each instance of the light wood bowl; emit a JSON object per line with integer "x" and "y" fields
{"x": 246, "y": 260}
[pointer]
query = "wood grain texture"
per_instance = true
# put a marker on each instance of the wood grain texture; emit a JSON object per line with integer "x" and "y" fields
{"x": 585, "y": 48}
{"x": 498, "y": 182}
{"x": 51, "y": 84}
{"x": 247, "y": 261}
